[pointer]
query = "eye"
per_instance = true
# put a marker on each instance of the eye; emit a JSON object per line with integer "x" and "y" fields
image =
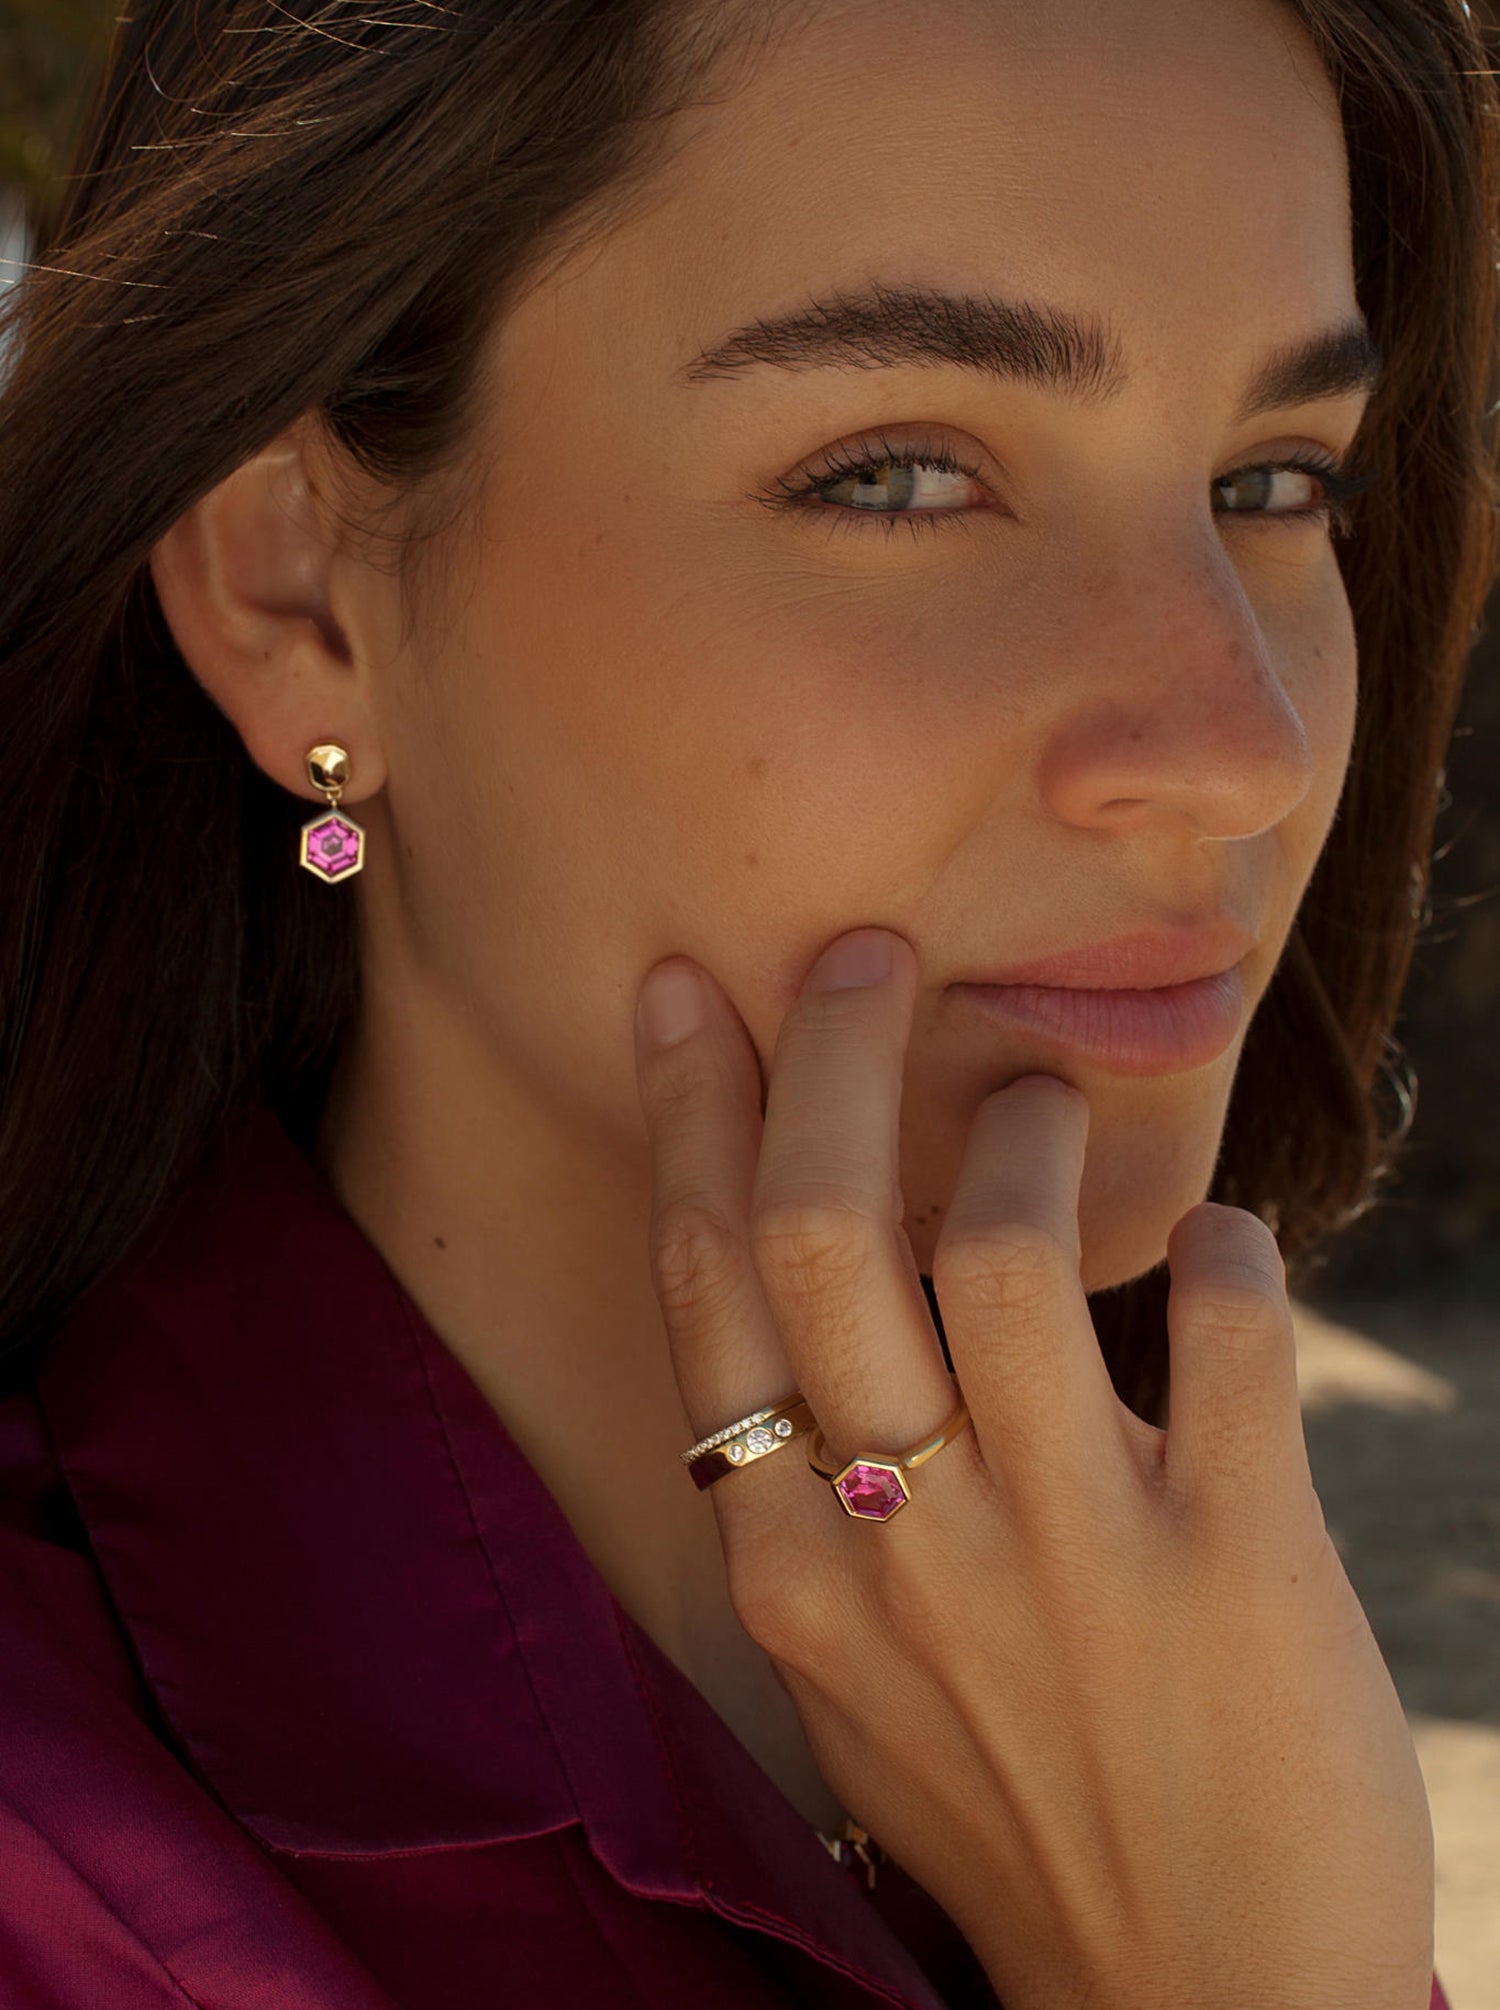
{"x": 1339, "y": 486}
{"x": 918, "y": 483}
{"x": 923, "y": 484}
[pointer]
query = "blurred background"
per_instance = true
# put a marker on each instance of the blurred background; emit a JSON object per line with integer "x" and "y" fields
{"x": 1398, "y": 1358}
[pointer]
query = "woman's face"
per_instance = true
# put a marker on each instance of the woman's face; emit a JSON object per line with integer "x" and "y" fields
{"x": 1089, "y": 689}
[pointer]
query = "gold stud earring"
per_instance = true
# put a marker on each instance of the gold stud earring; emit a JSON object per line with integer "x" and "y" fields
{"x": 333, "y": 845}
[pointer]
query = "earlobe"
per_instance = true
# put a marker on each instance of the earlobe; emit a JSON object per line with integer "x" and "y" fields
{"x": 243, "y": 578}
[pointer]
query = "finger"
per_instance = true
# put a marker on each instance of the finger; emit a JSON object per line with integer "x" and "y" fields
{"x": 825, "y": 1213}
{"x": 701, "y": 1098}
{"x": 1006, "y": 1272}
{"x": 1235, "y": 1442}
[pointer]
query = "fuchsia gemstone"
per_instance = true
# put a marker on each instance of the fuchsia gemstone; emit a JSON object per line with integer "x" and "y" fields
{"x": 872, "y": 1492}
{"x": 330, "y": 847}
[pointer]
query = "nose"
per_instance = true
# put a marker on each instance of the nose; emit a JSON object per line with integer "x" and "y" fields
{"x": 1173, "y": 708}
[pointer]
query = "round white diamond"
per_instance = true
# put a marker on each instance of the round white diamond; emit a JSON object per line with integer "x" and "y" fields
{"x": 782, "y": 1427}
{"x": 759, "y": 1441}
{"x": 736, "y": 1452}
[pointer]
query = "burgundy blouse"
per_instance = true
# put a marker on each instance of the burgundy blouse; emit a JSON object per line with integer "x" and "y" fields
{"x": 310, "y": 1698}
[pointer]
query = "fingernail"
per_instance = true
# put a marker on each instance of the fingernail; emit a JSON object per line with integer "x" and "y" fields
{"x": 861, "y": 958}
{"x": 670, "y": 1006}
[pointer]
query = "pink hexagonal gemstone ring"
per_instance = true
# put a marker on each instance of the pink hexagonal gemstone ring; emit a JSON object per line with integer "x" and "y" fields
{"x": 870, "y": 1490}
{"x": 332, "y": 846}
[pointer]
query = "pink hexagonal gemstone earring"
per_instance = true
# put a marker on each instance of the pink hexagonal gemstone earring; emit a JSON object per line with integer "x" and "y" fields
{"x": 333, "y": 845}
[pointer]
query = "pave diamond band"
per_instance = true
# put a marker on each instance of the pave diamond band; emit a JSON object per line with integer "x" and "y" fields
{"x": 753, "y": 1437}
{"x": 731, "y": 1430}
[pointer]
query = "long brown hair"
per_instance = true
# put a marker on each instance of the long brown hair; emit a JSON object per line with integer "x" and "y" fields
{"x": 301, "y": 209}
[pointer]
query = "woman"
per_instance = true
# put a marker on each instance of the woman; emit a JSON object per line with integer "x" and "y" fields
{"x": 502, "y": 503}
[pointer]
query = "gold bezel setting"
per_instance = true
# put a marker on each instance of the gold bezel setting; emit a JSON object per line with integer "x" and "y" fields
{"x": 858, "y": 1472}
{"x": 345, "y": 859}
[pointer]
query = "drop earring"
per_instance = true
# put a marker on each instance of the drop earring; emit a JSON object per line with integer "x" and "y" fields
{"x": 333, "y": 845}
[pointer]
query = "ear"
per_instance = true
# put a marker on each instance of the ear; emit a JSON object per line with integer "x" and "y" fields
{"x": 268, "y": 608}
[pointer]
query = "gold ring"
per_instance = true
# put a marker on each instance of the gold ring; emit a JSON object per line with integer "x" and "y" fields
{"x": 872, "y": 1486}
{"x": 753, "y": 1437}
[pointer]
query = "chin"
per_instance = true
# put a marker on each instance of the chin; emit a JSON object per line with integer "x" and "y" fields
{"x": 1131, "y": 1201}
{"x": 1115, "y": 1249}
{"x": 1147, "y": 1163}
{"x": 1121, "y": 1258}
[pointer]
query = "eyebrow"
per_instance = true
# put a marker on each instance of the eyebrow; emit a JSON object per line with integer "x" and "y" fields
{"x": 1052, "y": 348}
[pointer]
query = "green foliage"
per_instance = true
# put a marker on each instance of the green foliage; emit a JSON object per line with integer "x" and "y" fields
{"x": 50, "y": 54}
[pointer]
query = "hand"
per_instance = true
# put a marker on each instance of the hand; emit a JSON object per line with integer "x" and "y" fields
{"x": 1103, "y": 1689}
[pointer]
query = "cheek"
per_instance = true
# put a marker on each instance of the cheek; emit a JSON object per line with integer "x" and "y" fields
{"x": 1333, "y": 674}
{"x": 666, "y": 787}
{"x": 1320, "y": 672}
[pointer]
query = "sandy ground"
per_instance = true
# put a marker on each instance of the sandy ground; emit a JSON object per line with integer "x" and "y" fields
{"x": 1401, "y": 1408}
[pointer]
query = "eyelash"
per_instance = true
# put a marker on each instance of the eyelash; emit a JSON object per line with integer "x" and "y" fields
{"x": 1339, "y": 481}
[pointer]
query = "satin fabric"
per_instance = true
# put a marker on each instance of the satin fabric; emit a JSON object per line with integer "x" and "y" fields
{"x": 310, "y": 1698}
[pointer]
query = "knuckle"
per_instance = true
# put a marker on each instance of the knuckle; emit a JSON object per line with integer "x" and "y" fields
{"x": 813, "y": 1247}
{"x": 1227, "y": 1273}
{"x": 786, "y": 1612}
{"x": 1235, "y": 1297}
{"x": 697, "y": 1258}
{"x": 670, "y": 1086}
{"x": 1017, "y": 1265}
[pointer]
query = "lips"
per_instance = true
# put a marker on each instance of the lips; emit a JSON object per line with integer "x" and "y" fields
{"x": 1149, "y": 960}
{"x": 1157, "y": 1002}
{"x": 1162, "y": 1032}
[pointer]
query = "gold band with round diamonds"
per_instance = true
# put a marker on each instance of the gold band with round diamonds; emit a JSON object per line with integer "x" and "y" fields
{"x": 753, "y": 1437}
